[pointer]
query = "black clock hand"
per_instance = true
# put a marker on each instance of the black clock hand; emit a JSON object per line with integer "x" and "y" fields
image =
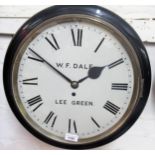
{"x": 64, "y": 76}
{"x": 93, "y": 73}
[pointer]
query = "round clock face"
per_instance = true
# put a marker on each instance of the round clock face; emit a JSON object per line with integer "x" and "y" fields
{"x": 75, "y": 79}
{"x": 97, "y": 103}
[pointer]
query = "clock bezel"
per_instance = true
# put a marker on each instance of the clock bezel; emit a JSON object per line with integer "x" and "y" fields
{"x": 104, "y": 15}
{"x": 56, "y": 21}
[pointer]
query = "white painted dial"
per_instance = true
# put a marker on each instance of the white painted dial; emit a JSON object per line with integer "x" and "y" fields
{"x": 87, "y": 108}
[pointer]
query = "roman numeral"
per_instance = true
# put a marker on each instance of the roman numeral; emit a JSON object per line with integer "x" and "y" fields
{"x": 119, "y": 86}
{"x": 31, "y": 81}
{"x": 34, "y": 100}
{"x": 72, "y": 126}
{"x": 111, "y": 107}
{"x": 77, "y": 37}
{"x": 53, "y": 43}
{"x": 49, "y": 117}
{"x": 35, "y": 59}
{"x": 95, "y": 122}
{"x": 37, "y": 100}
{"x": 118, "y": 62}
{"x": 100, "y": 43}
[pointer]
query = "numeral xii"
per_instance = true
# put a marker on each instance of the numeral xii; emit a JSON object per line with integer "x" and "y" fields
{"x": 77, "y": 37}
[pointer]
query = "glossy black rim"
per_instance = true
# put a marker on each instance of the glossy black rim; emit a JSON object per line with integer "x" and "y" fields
{"x": 104, "y": 15}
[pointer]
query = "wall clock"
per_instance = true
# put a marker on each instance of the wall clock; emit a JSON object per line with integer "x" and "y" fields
{"x": 76, "y": 77}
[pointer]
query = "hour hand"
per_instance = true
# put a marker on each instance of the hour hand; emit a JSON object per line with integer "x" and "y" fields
{"x": 93, "y": 73}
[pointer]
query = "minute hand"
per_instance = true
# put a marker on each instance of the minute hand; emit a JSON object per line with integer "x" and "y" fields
{"x": 64, "y": 76}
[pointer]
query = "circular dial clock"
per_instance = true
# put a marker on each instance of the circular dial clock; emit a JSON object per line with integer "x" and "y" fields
{"x": 75, "y": 76}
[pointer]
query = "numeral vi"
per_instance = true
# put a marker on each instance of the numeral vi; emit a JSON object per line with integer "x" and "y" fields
{"x": 72, "y": 126}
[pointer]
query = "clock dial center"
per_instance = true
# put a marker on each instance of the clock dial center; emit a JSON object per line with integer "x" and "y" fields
{"x": 74, "y": 84}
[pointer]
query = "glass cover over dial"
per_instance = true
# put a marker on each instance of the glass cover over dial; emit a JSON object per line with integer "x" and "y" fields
{"x": 75, "y": 79}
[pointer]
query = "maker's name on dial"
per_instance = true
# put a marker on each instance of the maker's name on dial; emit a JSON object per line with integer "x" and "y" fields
{"x": 73, "y": 102}
{"x": 74, "y": 65}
